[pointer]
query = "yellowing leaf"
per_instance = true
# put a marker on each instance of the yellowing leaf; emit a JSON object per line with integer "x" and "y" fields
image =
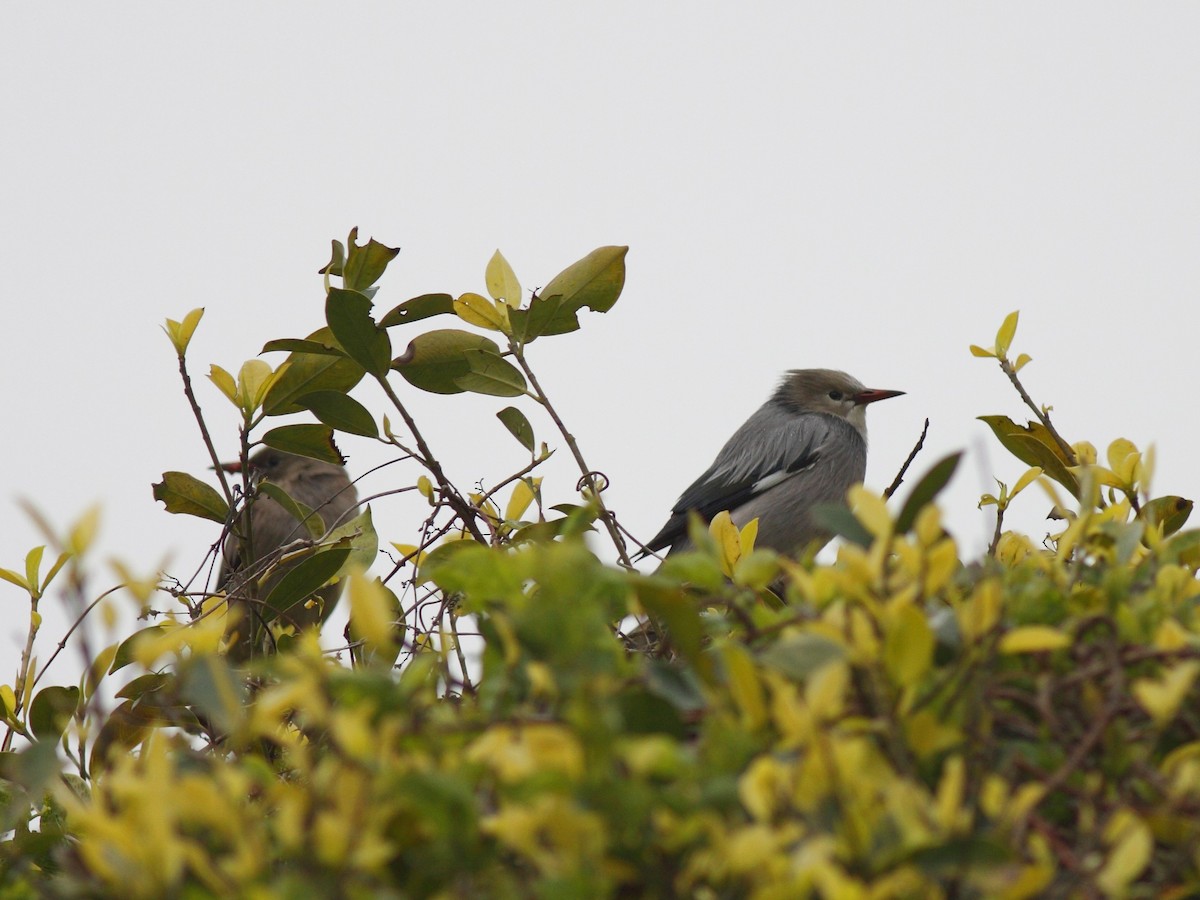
{"x": 949, "y": 809}
{"x": 744, "y": 685}
{"x": 825, "y": 692}
{"x": 727, "y": 539}
{"x": 977, "y": 616}
{"x": 502, "y": 282}
{"x": 478, "y": 310}
{"x": 254, "y": 380}
{"x": 425, "y": 487}
{"x": 1161, "y": 698}
{"x": 1006, "y": 333}
{"x": 747, "y": 537}
{"x": 522, "y": 495}
{"x": 1022, "y": 361}
{"x": 1034, "y": 639}
{"x": 1118, "y": 451}
{"x": 976, "y": 350}
{"x": 871, "y": 510}
{"x": 908, "y": 646}
{"x": 1025, "y": 480}
{"x": 224, "y": 381}
{"x": 372, "y": 615}
{"x": 1131, "y": 844}
{"x": 181, "y": 333}
{"x": 83, "y": 531}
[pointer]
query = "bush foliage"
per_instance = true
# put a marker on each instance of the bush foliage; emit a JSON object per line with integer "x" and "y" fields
{"x": 513, "y": 716}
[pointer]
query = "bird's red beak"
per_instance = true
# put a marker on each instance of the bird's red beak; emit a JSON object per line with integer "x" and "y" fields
{"x": 234, "y": 467}
{"x": 870, "y": 395}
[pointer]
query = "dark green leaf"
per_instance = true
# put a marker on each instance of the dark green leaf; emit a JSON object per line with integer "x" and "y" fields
{"x": 337, "y": 259}
{"x": 308, "y": 373}
{"x": 839, "y": 521}
{"x": 32, "y": 767}
{"x": 798, "y": 656}
{"x": 300, "y": 345}
{"x": 518, "y": 426}
{"x": 364, "y": 265}
{"x": 209, "y": 683}
{"x": 51, "y": 710}
{"x": 418, "y": 308}
{"x": 363, "y": 541}
{"x": 441, "y": 556}
{"x": 926, "y": 490}
{"x": 675, "y": 684}
{"x": 312, "y": 521}
{"x": 305, "y": 579}
{"x": 491, "y": 374}
{"x": 348, "y": 314}
{"x": 1170, "y": 512}
{"x": 435, "y": 360}
{"x": 674, "y": 612}
{"x": 341, "y": 412}
{"x": 1034, "y": 445}
{"x": 125, "y": 651}
{"x": 186, "y": 495}
{"x": 647, "y": 713}
{"x": 144, "y": 685}
{"x": 547, "y": 314}
{"x": 313, "y": 441}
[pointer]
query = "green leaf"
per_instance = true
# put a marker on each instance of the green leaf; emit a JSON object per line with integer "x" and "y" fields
{"x": 547, "y": 314}
{"x": 365, "y": 265}
{"x": 838, "y": 520}
{"x": 1170, "y": 512}
{"x": 313, "y": 441}
{"x": 337, "y": 259}
{"x": 1034, "y": 445}
{"x": 125, "y": 651}
{"x": 186, "y": 495}
{"x": 930, "y": 485}
{"x": 677, "y": 685}
{"x": 594, "y": 281}
{"x": 502, "y": 281}
{"x": 645, "y": 712}
{"x": 209, "y": 683}
{"x": 51, "y": 710}
{"x": 676, "y": 613}
{"x": 422, "y": 307}
{"x": 341, "y": 412}
{"x": 305, "y": 579}
{"x": 518, "y": 426}
{"x": 440, "y": 557}
{"x": 435, "y": 360}
{"x": 308, "y": 373}
{"x": 799, "y": 656}
{"x": 490, "y": 374}
{"x": 312, "y": 521}
{"x": 33, "y": 563}
{"x": 348, "y": 314}
{"x": 300, "y": 345}
{"x": 363, "y": 541}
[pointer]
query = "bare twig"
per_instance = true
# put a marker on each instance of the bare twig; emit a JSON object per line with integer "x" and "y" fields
{"x": 899, "y": 479}
{"x": 212, "y": 451}
{"x": 1043, "y": 416}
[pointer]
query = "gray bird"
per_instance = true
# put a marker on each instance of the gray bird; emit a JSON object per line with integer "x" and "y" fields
{"x": 321, "y": 486}
{"x": 804, "y": 447}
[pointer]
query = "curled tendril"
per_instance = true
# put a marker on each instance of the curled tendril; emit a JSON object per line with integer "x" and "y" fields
{"x": 594, "y": 479}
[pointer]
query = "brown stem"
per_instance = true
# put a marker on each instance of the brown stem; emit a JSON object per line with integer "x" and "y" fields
{"x": 1043, "y": 417}
{"x": 899, "y": 479}
{"x": 589, "y": 476}
{"x": 212, "y": 451}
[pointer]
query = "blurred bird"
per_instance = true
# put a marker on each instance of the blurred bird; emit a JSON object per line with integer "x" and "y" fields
{"x": 322, "y": 487}
{"x": 804, "y": 447}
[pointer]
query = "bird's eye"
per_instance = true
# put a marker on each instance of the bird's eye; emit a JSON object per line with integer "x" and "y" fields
{"x": 835, "y": 395}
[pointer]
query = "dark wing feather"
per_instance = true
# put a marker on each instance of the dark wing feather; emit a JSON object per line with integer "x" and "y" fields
{"x": 774, "y": 444}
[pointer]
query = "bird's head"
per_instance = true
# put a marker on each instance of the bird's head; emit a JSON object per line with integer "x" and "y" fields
{"x": 830, "y": 392}
{"x": 270, "y": 464}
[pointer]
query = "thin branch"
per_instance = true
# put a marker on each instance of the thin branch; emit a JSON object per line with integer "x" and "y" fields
{"x": 212, "y": 451}
{"x": 1043, "y": 416}
{"x": 899, "y": 479}
{"x": 610, "y": 522}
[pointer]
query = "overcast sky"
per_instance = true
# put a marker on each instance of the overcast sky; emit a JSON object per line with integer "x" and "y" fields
{"x": 863, "y": 187}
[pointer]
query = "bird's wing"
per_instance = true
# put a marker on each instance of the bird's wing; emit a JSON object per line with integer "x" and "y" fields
{"x": 771, "y": 447}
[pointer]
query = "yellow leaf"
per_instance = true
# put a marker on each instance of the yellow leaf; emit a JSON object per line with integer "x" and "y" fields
{"x": 9, "y": 699}
{"x": 908, "y": 647}
{"x": 425, "y": 487}
{"x": 1131, "y": 844}
{"x": 1022, "y": 360}
{"x": 825, "y": 692}
{"x": 1006, "y": 333}
{"x": 1034, "y": 639}
{"x": 977, "y": 616}
{"x": 1162, "y": 697}
{"x": 502, "y": 282}
{"x": 14, "y": 578}
{"x": 522, "y": 495}
{"x": 976, "y": 350}
{"x": 747, "y": 537}
{"x": 1118, "y": 451}
{"x": 225, "y": 382}
{"x": 372, "y": 615}
{"x": 83, "y": 532}
{"x": 1085, "y": 452}
{"x": 949, "y": 809}
{"x": 411, "y": 552}
{"x": 475, "y": 309}
{"x": 181, "y": 333}
{"x": 1025, "y": 480}
{"x": 744, "y": 685}
{"x": 253, "y": 381}
{"x": 728, "y": 541}
{"x": 871, "y": 510}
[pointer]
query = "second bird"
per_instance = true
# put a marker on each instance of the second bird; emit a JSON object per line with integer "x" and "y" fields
{"x": 804, "y": 447}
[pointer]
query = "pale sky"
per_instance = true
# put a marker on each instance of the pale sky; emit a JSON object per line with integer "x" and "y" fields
{"x": 863, "y": 187}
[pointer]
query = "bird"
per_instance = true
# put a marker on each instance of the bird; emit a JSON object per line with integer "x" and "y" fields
{"x": 805, "y": 447}
{"x": 324, "y": 488}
